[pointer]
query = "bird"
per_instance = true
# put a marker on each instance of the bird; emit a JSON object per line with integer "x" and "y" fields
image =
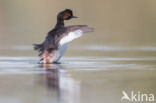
{"x": 57, "y": 39}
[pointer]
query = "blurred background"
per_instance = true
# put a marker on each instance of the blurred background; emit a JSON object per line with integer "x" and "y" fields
{"x": 116, "y": 22}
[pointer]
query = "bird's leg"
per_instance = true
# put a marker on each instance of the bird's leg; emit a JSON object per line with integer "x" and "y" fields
{"x": 47, "y": 57}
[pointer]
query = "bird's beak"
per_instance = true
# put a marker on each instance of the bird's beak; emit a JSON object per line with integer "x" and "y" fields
{"x": 74, "y": 17}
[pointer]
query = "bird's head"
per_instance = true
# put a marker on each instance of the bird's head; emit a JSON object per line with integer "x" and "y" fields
{"x": 66, "y": 14}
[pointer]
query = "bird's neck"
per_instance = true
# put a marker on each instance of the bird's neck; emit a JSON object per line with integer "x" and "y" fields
{"x": 60, "y": 23}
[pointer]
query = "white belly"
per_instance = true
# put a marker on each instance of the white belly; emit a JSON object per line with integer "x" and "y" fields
{"x": 64, "y": 43}
{"x": 61, "y": 51}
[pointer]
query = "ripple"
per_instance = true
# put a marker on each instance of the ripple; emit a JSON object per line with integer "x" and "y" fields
{"x": 120, "y": 48}
{"x": 16, "y": 47}
{"x": 111, "y": 58}
{"x": 71, "y": 60}
{"x": 30, "y": 65}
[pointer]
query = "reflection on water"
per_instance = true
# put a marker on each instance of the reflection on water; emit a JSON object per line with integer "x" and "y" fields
{"x": 51, "y": 84}
{"x": 78, "y": 79}
{"x": 67, "y": 88}
{"x": 52, "y": 75}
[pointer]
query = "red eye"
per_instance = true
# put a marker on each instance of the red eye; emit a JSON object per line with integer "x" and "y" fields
{"x": 68, "y": 14}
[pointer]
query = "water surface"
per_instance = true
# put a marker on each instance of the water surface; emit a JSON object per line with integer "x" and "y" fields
{"x": 78, "y": 79}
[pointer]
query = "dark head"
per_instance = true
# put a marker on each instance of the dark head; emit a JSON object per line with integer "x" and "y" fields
{"x": 67, "y": 14}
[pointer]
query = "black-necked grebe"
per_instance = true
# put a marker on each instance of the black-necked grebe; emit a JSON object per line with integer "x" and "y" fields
{"x": 56, "y": 42}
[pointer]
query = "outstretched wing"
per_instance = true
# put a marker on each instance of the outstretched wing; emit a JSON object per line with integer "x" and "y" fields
{"x": 74, "y": 32}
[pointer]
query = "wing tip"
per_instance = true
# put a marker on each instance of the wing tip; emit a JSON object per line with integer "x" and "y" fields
{"x": 88, "y": 29}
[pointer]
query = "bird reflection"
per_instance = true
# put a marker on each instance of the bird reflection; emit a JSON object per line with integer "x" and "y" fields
{"x": 52, "y": 75}
{"x": 67, "y": 88}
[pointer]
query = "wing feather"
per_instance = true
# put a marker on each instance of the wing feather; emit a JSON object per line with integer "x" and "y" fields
{"x": 74, "y": 32}
{"x": 64, "y": 35}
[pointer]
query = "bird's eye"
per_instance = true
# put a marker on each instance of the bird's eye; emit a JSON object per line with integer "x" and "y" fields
{"x": 68, "y": 14}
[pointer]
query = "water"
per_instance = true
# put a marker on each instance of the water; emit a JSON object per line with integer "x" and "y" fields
{"x": 120, "y": 55}
{"x": 78, "y": 79}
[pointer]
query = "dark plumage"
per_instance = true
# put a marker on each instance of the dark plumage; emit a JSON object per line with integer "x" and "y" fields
{"x": 57, "y": 39}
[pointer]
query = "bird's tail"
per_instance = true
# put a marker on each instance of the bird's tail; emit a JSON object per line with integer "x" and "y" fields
{"x": 39, "y": 47}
